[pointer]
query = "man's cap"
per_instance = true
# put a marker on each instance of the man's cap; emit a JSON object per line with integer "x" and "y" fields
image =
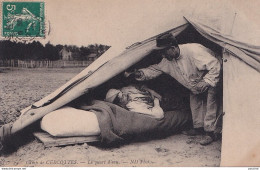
{"x": 166, "y": 40}
{"x": 111, "y": 95}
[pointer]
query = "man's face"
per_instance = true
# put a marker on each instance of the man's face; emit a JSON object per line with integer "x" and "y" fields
{"x": 171, "y": 53}
{"x": 122, "y": 98}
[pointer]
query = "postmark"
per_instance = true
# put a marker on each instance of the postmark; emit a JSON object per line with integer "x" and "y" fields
{"x": 23, "y": 19}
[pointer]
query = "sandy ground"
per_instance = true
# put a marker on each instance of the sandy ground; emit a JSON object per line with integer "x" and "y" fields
{"x": 21, "y": 87}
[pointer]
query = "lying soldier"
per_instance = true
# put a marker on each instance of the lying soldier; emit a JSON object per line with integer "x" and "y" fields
{"x": 133, "y": 98}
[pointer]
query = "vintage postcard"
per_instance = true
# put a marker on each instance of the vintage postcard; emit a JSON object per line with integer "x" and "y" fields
{"x": 120, "y": 83}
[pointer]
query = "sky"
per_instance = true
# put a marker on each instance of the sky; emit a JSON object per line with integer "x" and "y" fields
{"x": 123, "y": 22}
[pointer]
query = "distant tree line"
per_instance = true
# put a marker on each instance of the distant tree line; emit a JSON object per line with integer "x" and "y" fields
{"x": 37, "y": 51}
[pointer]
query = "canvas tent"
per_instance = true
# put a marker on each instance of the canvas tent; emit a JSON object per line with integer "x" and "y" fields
{"x": 241, "y": 79}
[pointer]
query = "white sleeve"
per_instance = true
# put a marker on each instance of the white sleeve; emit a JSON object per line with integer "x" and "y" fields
{"x": 152, "y": 71}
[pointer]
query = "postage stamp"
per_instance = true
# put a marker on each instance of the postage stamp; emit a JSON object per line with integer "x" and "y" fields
{"x": 23, "y": 19}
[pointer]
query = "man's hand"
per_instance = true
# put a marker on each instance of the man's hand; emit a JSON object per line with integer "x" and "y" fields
{"x": 127, "y": 74}
{"x": 157, "y": 110}
{"x": 201, "y": 87}
{"x": 136, "y": 74}
{"x": 156, "y": 102}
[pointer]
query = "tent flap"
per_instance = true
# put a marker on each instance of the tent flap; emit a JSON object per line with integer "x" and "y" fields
{"x": 240, "y": 139}
{"x": 250, "y": 54}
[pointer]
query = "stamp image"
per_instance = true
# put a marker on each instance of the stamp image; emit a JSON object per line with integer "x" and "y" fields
{"x": 23, "y": 19}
